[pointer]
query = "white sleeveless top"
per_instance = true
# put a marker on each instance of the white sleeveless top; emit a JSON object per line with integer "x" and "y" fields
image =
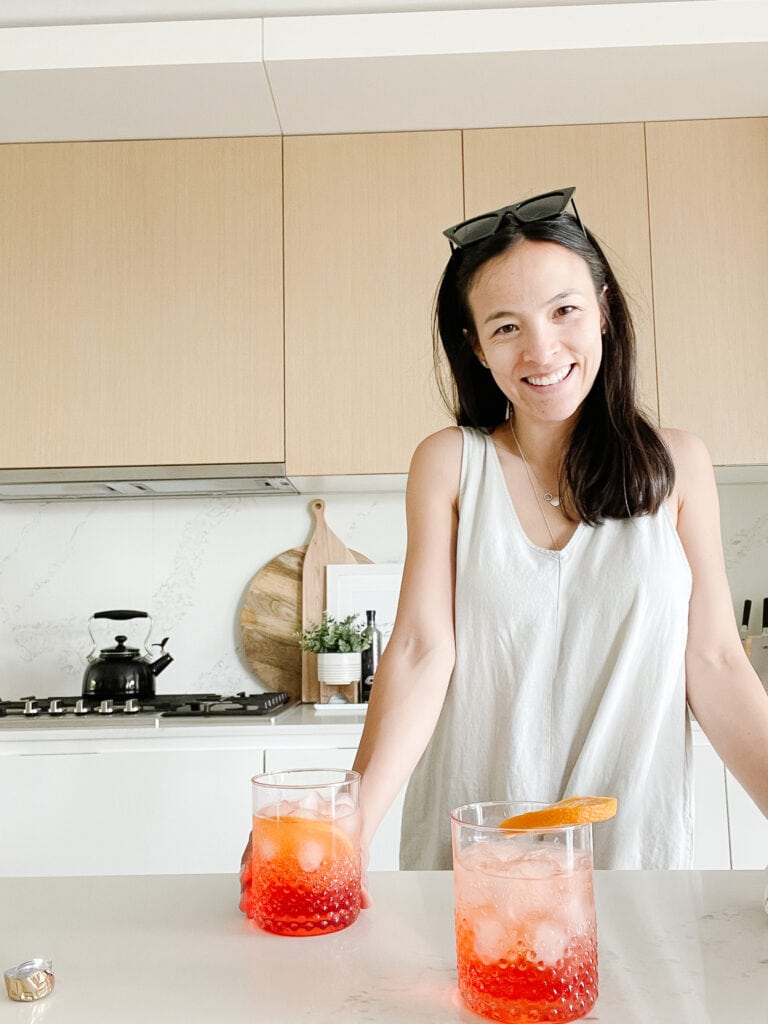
{"x": 569, "y": 679}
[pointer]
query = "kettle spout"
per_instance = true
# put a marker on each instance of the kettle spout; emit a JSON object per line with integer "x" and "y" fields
{"x": 157, "y": 666}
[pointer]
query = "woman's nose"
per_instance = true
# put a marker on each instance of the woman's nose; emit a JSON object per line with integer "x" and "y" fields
{"x": 541, "y": 344}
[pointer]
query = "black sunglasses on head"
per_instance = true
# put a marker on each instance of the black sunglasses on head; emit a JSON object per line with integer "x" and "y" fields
{"x": 529, "y": 211}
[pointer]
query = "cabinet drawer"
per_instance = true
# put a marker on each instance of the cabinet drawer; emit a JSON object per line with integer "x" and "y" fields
{"x": 126, "y": 812}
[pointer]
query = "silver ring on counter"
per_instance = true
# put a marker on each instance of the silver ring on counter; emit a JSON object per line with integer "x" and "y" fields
{"x": 33, "y": 979}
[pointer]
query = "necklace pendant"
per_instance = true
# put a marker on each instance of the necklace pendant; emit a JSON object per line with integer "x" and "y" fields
{"x": 552, "y": 499}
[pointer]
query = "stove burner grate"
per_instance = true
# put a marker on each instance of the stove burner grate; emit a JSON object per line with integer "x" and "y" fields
{"x": 173, "y": 705}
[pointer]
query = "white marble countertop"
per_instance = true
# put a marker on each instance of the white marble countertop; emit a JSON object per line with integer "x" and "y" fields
{"x": 674, "y": 948}
{"x": 294, "y": 720}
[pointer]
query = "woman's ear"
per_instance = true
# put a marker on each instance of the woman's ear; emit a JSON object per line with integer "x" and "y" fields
{"x": 475, "y": 348}
{"x": 603, "y": 301}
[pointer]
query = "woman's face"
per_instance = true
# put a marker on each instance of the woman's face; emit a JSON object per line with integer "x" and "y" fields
{"x": 538, "y": 326}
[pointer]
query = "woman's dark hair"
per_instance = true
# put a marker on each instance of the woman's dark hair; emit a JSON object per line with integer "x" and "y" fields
{"x": 616, "y": 465}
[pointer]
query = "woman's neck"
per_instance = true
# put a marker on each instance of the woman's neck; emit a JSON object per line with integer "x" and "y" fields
{"x": 544, "y": 444}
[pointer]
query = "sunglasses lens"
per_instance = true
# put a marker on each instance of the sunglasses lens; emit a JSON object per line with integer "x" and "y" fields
{"x": 475, "y": 230}
{"x": 542, "y": 207}
{"x": 529, "y": 211}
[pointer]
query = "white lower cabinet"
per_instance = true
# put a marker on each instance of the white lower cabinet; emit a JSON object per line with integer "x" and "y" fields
{"x": 126, "y": 812}
{"x": 711, "y": 843}
{"x": 748, "y": 828}
{"x": 384, "y": 852}
{"x": 171, "y": 804}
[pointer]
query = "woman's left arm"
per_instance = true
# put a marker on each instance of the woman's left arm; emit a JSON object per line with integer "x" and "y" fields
{"x": 724, "y": 691}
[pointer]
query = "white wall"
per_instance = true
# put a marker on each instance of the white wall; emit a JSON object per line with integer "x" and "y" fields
{"x": 189, "y": 561}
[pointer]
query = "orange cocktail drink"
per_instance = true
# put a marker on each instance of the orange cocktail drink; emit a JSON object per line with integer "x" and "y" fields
{"x": 305, "y": 851}
{"x": 526, "y": 938}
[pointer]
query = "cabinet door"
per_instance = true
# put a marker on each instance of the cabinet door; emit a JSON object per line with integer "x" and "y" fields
{"x": 606, "y": 164}
{"x": 749, "y": 829}
{"x": 126, "y": 812}
{"x": 711, "y": 845}
{"x": 363, "y": 255}
{"x": 142, "y": 303}
{"x": 709, "y": 233}
{"x": 385, "y": 849}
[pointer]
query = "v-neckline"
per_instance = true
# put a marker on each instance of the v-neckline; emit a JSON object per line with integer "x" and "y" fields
{"x": 510, "y": 500}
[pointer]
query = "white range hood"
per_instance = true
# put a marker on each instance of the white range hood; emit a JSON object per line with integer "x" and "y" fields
{"x": 144, "y": 482}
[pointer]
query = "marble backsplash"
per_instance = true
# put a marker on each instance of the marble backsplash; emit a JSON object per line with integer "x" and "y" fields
{"x": 188, "y": 562}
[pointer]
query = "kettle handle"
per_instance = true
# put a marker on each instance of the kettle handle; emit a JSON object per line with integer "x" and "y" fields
{"x": 119, "y": 615}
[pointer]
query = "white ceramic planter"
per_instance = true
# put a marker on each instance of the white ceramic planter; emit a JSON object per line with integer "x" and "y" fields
{"x": 339, "y": 669}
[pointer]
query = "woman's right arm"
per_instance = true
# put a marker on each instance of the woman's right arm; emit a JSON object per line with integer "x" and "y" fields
{"x": 415, "y": 668}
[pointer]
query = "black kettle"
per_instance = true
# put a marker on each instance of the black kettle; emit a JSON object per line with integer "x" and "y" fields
{"x": 120, "y": 672}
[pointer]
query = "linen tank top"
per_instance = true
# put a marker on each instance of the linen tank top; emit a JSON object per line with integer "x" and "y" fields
{"x": 569, "y": 679}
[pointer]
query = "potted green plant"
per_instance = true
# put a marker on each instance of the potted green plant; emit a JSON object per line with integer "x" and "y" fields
{"x": 338, "y": 644}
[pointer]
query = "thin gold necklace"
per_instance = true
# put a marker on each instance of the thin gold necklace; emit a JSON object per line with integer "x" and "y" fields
{"x": 553, "y": 499}
{"x": 528, "y": 472}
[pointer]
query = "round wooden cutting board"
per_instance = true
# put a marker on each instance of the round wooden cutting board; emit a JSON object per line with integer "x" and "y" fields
{"x": 270, "y": 616}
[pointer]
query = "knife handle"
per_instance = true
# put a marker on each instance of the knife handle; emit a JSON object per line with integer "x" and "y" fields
{"x": 746, "y": 614}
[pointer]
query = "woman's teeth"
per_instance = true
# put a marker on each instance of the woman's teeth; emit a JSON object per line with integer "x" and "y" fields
{"x": 553, "y": 378}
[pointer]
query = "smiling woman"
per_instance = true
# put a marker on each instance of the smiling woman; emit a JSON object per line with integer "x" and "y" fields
{"x": 564, "y": 597}
{"x": 545, "y": 291}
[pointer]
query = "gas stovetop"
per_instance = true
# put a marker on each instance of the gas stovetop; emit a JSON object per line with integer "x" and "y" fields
{"x": 165, "y": 705}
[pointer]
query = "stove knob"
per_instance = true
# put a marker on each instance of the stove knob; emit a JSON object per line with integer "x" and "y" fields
{"x": 81, "y": 708}
{"x": 106, "y": 707}
{"x": 55, "y": 708}
{"x": 30, "y": 708}
{"x": 131, "y": 706}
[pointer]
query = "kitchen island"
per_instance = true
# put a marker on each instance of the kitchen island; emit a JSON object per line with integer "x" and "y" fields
{"x": 685, "y": 947}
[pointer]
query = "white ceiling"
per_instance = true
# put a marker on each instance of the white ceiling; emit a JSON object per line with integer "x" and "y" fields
{"x": 78, "y": 12}
{"x": 489, "y": 66}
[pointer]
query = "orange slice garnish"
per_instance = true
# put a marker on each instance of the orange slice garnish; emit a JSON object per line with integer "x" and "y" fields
{"x": 575, "y": 810}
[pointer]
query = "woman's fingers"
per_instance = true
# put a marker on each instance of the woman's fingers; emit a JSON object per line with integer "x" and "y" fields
{"x": 246, "y": 874}
{"x": 245, "y": 877}
{"x": 365, "y": 897}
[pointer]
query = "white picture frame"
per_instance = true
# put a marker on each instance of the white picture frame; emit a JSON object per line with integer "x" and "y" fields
{"x": 354, "y": 589}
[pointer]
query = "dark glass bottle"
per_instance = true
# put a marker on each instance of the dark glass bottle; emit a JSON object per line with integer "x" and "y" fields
{"x": 371, "y": 655}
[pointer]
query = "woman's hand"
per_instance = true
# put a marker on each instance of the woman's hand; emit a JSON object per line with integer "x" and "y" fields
{"x": 245, "y": 876}
{"x": 365, "y": 896}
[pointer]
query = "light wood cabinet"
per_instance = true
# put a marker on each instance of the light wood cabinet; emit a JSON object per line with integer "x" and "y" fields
{"x": 606, "y": 164}
{"x": 142, "y": 303}
{"x": 363, "y": 255}
{"x": 709, "y": 238}
{"x": 145, "y": 322}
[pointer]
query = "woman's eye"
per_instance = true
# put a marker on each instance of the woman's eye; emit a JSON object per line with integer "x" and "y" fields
{"x": 506, "y": 329}
{"x": 565, "y": 310}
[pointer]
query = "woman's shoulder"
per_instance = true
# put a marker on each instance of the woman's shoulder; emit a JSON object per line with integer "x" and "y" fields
{"x": 436, "y": 461}
{"x": 687, "y": 450}
{"x": 694, "y": 475}
{"x": 443, "y": 444}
